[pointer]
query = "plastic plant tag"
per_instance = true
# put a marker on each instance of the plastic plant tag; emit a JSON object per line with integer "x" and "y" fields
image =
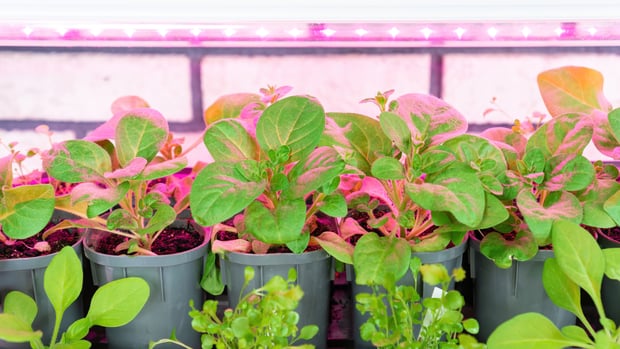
{"x": 428, "y": 317}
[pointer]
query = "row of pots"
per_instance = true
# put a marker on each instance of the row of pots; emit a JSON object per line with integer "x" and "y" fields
{"x": 174, "y": 279}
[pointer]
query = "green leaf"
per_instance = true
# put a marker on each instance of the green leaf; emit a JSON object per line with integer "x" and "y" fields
{"x": 334, "y": 205}
{"x": 300, "y": 244}
{"x": 228, "y": 140}
{"x": 529, "y": 330}
{"x": 141, "y": 133}
{"x": 319, "y": 168}
{"x": 280, "y": 225}
{"x": 100, "y": 199}
{"x": 388, "y": 169}
{"x": 599, "y": 204}
{"x": 434, "y": 274}
{"x": 576, "y": 333}
{"x": 457, "y": 190}
{"x": 14, "y": 329}
{"x": 78, "y": 330}
{"x": 163, "y": 217}
{"x": 566, "y": 134}
{"x": 482, "y": 152}
{"x": 336, "y": 246}
{"x": 502, "y": 251}
{"x": 360, "y": 135}
{"x": 21, "y": 305}
{"x": 308, "y": 332}
{"x": 77, "y": 161}
{"x": 568, "y": 172}
{"x": 241, "y": 327}
{"x": 63, "y": 279}
{"x": 296, "y": 122}
{"x": 579, "y": 256}
{"x": 220, "y": 191}
{"x": 612, "y": 206}
{"x": 434, "y": 160}
{"x": 118, "y": 302}
{"x": 560, "y": 289}
{"x": 378, "y": 259}
{"x": 612, "y": 263}
{"x": 539, "y": 218}
{"x": 396, "y": 129}
{"x": 211, "y": 277}
{"x": 572, "y": 89}
{"x": 26, "y": 210}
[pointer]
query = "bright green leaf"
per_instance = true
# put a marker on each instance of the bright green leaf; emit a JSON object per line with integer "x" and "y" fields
{"x": 228, "y": 140}
{"x": 63, "y": 279}
{"x": 141, "y": 133}
{"x": 21, "y": 305}
{"x": 529, "y": 330}
{"x": 377, "y": 259}
{"x": 118, "y": 302}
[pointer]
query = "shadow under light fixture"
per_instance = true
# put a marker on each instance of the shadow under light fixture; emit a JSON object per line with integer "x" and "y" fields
{"x": 317, "y": 23}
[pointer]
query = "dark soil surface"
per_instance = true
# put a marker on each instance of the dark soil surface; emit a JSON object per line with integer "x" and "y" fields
{"x": 25, "y": 248}
{"x": 170, "y": 241}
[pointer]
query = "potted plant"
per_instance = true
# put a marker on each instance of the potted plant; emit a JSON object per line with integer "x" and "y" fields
{"x": 434, "y": 182}
{"x": 580, "y": 89}
{"x": 400, "y": 316}
{"x": 28, "y": 208}
{"x": 132, "y": 228}
{"x": 577, "y": 268}
{"x": 548, "y": 178}
{"x": 114, "y": 304}
{"x": 264, "y": 317}
{"x": 264, "y": 194}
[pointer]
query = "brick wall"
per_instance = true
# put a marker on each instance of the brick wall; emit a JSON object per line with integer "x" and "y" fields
{"x": 70, "y": 89}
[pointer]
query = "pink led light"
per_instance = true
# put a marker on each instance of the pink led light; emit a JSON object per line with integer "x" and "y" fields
{"x": 427, "y": 32}
{"x": 558, "y": 31}
{"x": 592, "y": 31}
{"x": 61, "y": 31}
{"x": 394, "y": 31}
{"x": 526, "y": 32}
{"x": 229, "y": 32}
{"x": 328, "y": 32}
{"x": 361, "y": 32}
{"x": 295, "y": 32}
{"x": 27, "y": 31}
{"x": 459, "y": 32}
{"x": 129, "y": 32}
{"x": 195, "y": 31}
{"x": 262, "y": 32}
{"x": 96, "y": 31}
{"x": 162, "y": 32}
{"x": 492, "y": 32}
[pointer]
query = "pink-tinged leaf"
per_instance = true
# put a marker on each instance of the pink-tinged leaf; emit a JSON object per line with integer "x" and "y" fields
{"x": 6, "y": 171}
{"x": 319, "y": 168}
{"x": 229, "y": 106}
{"x": 605, "y": 138}
{"x": 259, "y": 247}
{"x": 350, "y": 227}
{"x": 228, "y": 140}
{"x": 506, "y": 139}
{"x": 445, "y": 121}
{"x": 77, "y": 161}
{"x": 336, "y": 246}
{"x": 540, "y": 218}
{"x": 140, "y": 133}
{"x": 127, "y": 103}
{"x": 92, "y": 191}
{"x": 163, "y": 169}
{"x": 572, "y": 89}
{"x": 25, "y": 210}
{"x": 568, "y": 172}
{"x": 133, "y": 168}
{"x": 566, "y": 134}
{"x": 237, "y": 245}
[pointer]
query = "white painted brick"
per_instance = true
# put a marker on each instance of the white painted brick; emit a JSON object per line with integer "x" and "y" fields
{"x": 338, "y": 81}
{"x": 471, "y": 81}
{"x": 81, "y": 86}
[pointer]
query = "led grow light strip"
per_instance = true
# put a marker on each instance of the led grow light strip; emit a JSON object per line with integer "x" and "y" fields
{"x": 305, "y": 23}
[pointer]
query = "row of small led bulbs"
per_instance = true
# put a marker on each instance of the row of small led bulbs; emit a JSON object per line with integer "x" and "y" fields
{"x": 295, "y": 33}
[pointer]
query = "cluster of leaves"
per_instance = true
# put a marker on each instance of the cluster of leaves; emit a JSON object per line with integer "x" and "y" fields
{"x": 113, "y": 304}
{"x": 548, "y": 177}
{"x": 264, "y": 318}
{"x": 438, "y": 182}
{"x": 579, "y": 265}
{"x": 113, "y": 169}
{"x": 400, "y": 318}
{"x": 273, "y": 173}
